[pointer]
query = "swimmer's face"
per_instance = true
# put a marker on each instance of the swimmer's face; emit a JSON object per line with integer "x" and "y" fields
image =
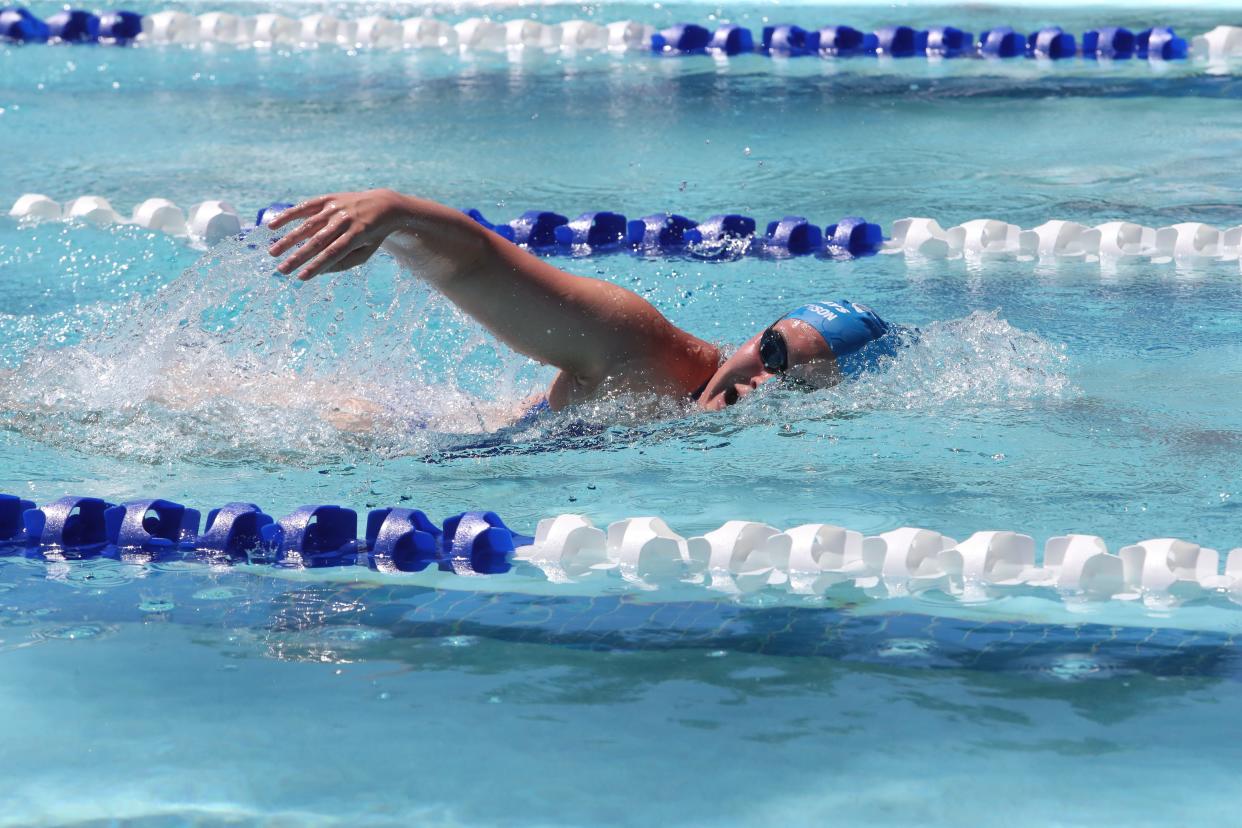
{"x": 810, "y": 360}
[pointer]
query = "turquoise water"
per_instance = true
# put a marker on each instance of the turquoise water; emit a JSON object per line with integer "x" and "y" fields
{"x": 1043, "y": 398}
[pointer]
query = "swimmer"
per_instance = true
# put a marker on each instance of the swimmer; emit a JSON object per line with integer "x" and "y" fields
{"x": 602, "y": 337}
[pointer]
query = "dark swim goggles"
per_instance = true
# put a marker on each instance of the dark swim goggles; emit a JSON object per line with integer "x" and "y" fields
{"x": 774, "y": 350}
{"x": 774, "y": 354}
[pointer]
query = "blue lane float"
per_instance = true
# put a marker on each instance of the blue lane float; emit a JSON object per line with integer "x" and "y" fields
{"x": 119, "y": 28}
{"x": 853, "y": 236}
{"x": 682, "y": 39}
{"x": 73, "y": 26}
{"x": 720, "y": 229}
{"x": 844, "y": 41}
{"x": 536, "y": 229}
{"x": 597, "y": 231}
{"x": 1052, "y": 43}
{"x": 1001, "y": 42}
{"x": 233, "y": 531}
{"x": 479, "y": 543}
{"x": 787, "y": 41}
{"x": 1160, "y": 43}
{"x": 12, "y": 528}
{"x": 945, "y": 42}
{"x": 662, "y": 232}
{"x": 1109, "y": 43}
{"x": 314, "y": 536}
{"x": 71, "y": 524}
{"x": 403, "y": 540}
{"x": 270, "y": 212}
{"x": 896, "y": 41}
{"x": 18, "y": 25}
{"x": 731, "y": 40}
{"x": 793, "y": 236}
{"x": 150, "y": 524}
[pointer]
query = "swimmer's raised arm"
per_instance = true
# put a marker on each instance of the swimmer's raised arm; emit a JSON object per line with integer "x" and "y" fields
{"x": 589, "y": 328}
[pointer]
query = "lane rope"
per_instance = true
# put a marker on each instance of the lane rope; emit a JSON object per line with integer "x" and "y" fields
{"x": 480, "y": 34}
{"x": 739, "y": 557}
{"x": 723, "y": 236}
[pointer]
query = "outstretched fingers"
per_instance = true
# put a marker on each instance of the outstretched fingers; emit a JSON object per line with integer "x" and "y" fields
{"x": 335, "y": 253}
{"x": 320, "y": 241}
{"x": 306, "y": 208}
{"x": 303, "y": 232}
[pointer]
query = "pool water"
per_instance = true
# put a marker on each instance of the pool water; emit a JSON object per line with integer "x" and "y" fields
{"x": 1044, "y": 398}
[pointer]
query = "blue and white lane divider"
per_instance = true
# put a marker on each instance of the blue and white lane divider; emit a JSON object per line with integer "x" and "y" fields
{"x": 727, "y": 235}
{"x": 478, "y": 34}
{"x": 739, "y": 557}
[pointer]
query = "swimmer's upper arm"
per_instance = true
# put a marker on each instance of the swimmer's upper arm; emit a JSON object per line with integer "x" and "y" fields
{"x": 586, "y": 327}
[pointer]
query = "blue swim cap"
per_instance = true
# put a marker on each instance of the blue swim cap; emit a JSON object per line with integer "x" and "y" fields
{"x": 856, "y": 335}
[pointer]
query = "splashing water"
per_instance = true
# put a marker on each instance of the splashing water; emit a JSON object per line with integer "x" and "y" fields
{"x": 232, "y": 362}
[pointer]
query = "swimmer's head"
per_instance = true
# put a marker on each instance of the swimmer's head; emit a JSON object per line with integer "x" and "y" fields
{"x": 805, "y": 345}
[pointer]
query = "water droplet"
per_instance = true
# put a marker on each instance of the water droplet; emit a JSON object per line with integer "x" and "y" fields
{"x": 746, "y": 151}
{"x": 718, "y": 654}
{"x": 459, "y": 641}
{"x": 155, "y": 605}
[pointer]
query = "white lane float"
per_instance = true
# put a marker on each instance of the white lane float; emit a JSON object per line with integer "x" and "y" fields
{"x": 171, "y": 27}
{"x": 212, "y": 221}
{"x": 735, "y": 557}
{"x": 530, "y": 34}
{"x": 1059, "y": 239}
{"x": 378, "y": 33}
{"x": 985, "y": 237}
{"x": 36, "y": 207}
{"x": 93, "y": 209}
{"x": 1165, "y": 570}
{"x": 276, "y": 30}
{"x": 222, "y": 27}
{"x": 477, "y": 34}
{"x": 567, "y": 548}
{"x": 818, "y": 556}
{"x": 920, "y": 237}
{"x": 326, "y": 30}
{"x": 904, "y": 560}
{"x": 646, "y": 551}
{"x": 988, "y": 559}
{"x": 427, "y": 33}
{"x": 161, "y": 215}
{"x": 1189, "y": 241}
{"x": 629, "y": 36}
{"x": 1126, "y": 240}
{"x": 1081, "y": 565}
{"x": 1218, "y": 45}
{"x": 583, "y": 36}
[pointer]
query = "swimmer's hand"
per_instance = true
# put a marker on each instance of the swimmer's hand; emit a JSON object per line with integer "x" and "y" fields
{"x": 338, "y": 231}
